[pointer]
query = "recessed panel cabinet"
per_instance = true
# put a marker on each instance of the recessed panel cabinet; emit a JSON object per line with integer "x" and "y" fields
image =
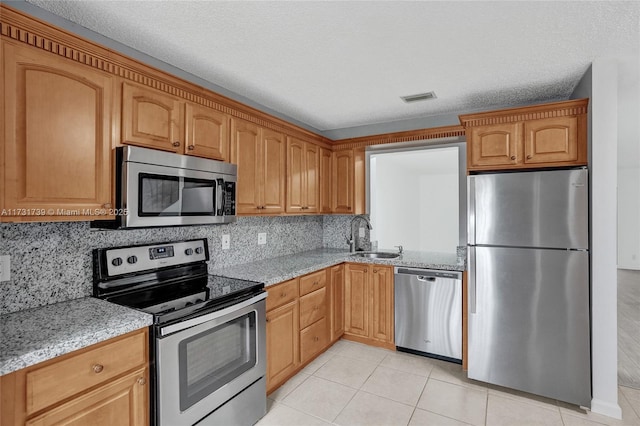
{"x": 326, "y": 164}
{"x": 303, "y": 173}
{"x": 548, "y": 135}
{"x": 57, "y": 137}
{"x": 369, "y": 315}
{"x": 155, "y": 119}
{"x": 260, "y": 155}
{"x": 105, "y": 384}
{"x": 343, "y": 181}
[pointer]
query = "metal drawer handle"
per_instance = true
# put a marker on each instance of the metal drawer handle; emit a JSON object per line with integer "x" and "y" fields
{"x": 142, "y": 381}
{"x": 97, "y": 368}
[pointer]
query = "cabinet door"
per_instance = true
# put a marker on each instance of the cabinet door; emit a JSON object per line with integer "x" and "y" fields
{"x": 313, "y": 339}
{"x": 121, "y": 402}
{"x": 337, "y": 301}
{"x": 551, "y": 140}
{"x": 283, "y": 350}
{"x": 295, "y": 176}
{"x": 57, "y": 135}
{"x": 313, "y": 306}
{"x": 326, "y": 163}
{"x": 382, "y": 314}
{"x": 151, "y": 118}
{"x": 356, "y": 300}
{"x": 312, "y": 178}
{"x": 273, "y": 171}
{"x": 495, "y": 145}
{"x": 342, "y": 177}
{"x": 206, "y": 132}
{"x": 246, "y": 153}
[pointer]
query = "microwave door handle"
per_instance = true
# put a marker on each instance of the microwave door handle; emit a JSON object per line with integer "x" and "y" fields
{"x": 220, "y": 196}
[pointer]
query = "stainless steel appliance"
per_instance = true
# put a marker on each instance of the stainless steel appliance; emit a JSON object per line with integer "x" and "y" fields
{"x": 529, "y": 282}
{"x": 208, "y": 350}
{"x": 156, "y": 188}
{"x": 428, "y": 312}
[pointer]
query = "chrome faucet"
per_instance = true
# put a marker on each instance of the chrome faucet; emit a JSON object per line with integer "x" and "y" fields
{"x": 351, "y": 240}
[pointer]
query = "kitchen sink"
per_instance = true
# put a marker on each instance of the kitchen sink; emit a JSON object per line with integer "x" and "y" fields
{"x": 376, "y": 255}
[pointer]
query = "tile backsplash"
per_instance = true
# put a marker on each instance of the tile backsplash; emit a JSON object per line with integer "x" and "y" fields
{"x": 51, "y": 262}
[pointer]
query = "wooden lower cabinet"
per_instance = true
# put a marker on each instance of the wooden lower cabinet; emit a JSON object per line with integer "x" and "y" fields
{"x": 336, "y": 287}
{"x": 369, "y": 315}
{"x": 283, "y": 350}
{"x": 104, "y": 384}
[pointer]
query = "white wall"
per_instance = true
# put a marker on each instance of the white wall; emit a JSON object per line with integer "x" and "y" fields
{"x": 604, "y": 293}
{"x": 629, "y": 163}
{"x": 414, "y": 199}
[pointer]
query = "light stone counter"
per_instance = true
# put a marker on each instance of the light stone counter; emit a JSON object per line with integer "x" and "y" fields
{"x": 35, "y": 335}
{"x": 278, "y": 269}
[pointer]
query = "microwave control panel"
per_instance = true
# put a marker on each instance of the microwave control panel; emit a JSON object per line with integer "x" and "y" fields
{"x": 229, "y": 198}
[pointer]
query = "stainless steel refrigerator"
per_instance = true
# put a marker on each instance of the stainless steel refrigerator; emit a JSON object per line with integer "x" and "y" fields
{"x": 529, "y": 329}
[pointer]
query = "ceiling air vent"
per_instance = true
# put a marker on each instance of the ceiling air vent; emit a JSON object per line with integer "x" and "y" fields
{"x": 419, "y": 97}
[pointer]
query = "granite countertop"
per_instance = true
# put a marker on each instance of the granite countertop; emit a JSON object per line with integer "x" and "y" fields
{"x": 39, "y": 334}
{"x": 278, "y": 269}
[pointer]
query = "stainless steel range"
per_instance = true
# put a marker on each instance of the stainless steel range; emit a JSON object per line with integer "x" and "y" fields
{"x": 208, "y": 353}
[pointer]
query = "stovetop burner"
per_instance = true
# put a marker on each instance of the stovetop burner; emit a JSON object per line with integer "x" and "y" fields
{"x": 167, "y": 280}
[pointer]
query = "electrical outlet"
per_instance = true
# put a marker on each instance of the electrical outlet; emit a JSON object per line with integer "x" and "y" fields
{"x": 5, "y": 268}
{"x": 262, "y": 238}
{"x": 226, "y": 242}
{"x": 361, "y": 232}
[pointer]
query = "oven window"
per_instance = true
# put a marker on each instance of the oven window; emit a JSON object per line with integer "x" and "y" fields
{"x": 215, "y": 357}
{"x": 175, "y": 196}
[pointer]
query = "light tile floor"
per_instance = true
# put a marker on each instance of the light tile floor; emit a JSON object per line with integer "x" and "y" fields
{"x": 354, "y": 384}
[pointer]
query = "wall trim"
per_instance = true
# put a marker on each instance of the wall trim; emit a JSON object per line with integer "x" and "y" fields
{"x": 406, "y": 136}
{"x": 606, "y": 408}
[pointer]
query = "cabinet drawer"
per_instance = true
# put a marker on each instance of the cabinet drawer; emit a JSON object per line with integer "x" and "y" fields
{"x": 281, "y": 294}
{"x": 62, "y": 379}
{"x": 313, "y": 306}
{"x": 313, "y": 339}
{"x": 313, "y": 282}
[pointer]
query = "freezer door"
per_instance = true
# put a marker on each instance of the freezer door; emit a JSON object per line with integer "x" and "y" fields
{"x": 547, "y": 209}
{"x": 529, "y": 321}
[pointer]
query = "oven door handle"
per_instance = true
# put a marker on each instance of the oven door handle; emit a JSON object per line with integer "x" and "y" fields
{"x": 170, "y": 329}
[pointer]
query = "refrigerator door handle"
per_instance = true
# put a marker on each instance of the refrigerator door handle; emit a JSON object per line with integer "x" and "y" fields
{"x": 471, "y": 210}
{"x": 473, "y": 297}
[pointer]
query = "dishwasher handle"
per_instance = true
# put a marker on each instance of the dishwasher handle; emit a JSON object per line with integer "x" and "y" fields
{"x": 425, "y": 278}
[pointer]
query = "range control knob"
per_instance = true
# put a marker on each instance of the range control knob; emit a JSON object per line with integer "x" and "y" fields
{"x": 199, "y": 250}
{"x": 132, "y": 259}
{"x": 188, "y": 252}
{"x": 117, "y": 261}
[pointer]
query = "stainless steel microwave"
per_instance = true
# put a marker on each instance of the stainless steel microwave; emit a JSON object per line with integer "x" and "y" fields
{"x": 156, "y": 188}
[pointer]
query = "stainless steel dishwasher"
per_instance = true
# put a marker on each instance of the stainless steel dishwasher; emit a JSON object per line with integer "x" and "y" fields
{"x": 428, "y": 313}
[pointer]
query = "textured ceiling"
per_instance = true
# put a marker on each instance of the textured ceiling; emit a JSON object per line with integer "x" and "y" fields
{"x": 334, "y": 65}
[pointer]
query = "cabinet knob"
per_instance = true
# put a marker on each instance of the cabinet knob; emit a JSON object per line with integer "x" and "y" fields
{"x": 97, "y": 368}
{"x": 176, "y": 144}
{"x": 142, "y": 381}
{"x": 315, "y": 339}
{"x": 106, "y": 205}
{"x": 191, "y": 147}
{"x": 283, "y": 294}
{"x": 375, "y": 271}
{"x": 513, "y": 157}
{"x": 315, "y": 308}
{"x": 529, "y": 157}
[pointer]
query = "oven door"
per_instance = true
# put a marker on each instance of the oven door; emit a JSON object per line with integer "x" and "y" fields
{"x": 168, "y": 196}
{"x": 206, "y": 361}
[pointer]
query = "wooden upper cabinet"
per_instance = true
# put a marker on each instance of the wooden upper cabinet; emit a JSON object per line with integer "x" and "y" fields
{"x": 494, "y": 145}
{"x": 303, "y": 169}
{"x": 151, "y": 118}
{"x": 158, "y": 120}
{"x": 551, "y": 140}
{"x": 326, "y": 170}
{"x": 57, "y": 136}
{"x": 548, "y": 135}
{"x": 273, "y": 171}
{"x": 206, "y": 132}
{"x": 343, "y": 181}
{"x": 260, "y": 155}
